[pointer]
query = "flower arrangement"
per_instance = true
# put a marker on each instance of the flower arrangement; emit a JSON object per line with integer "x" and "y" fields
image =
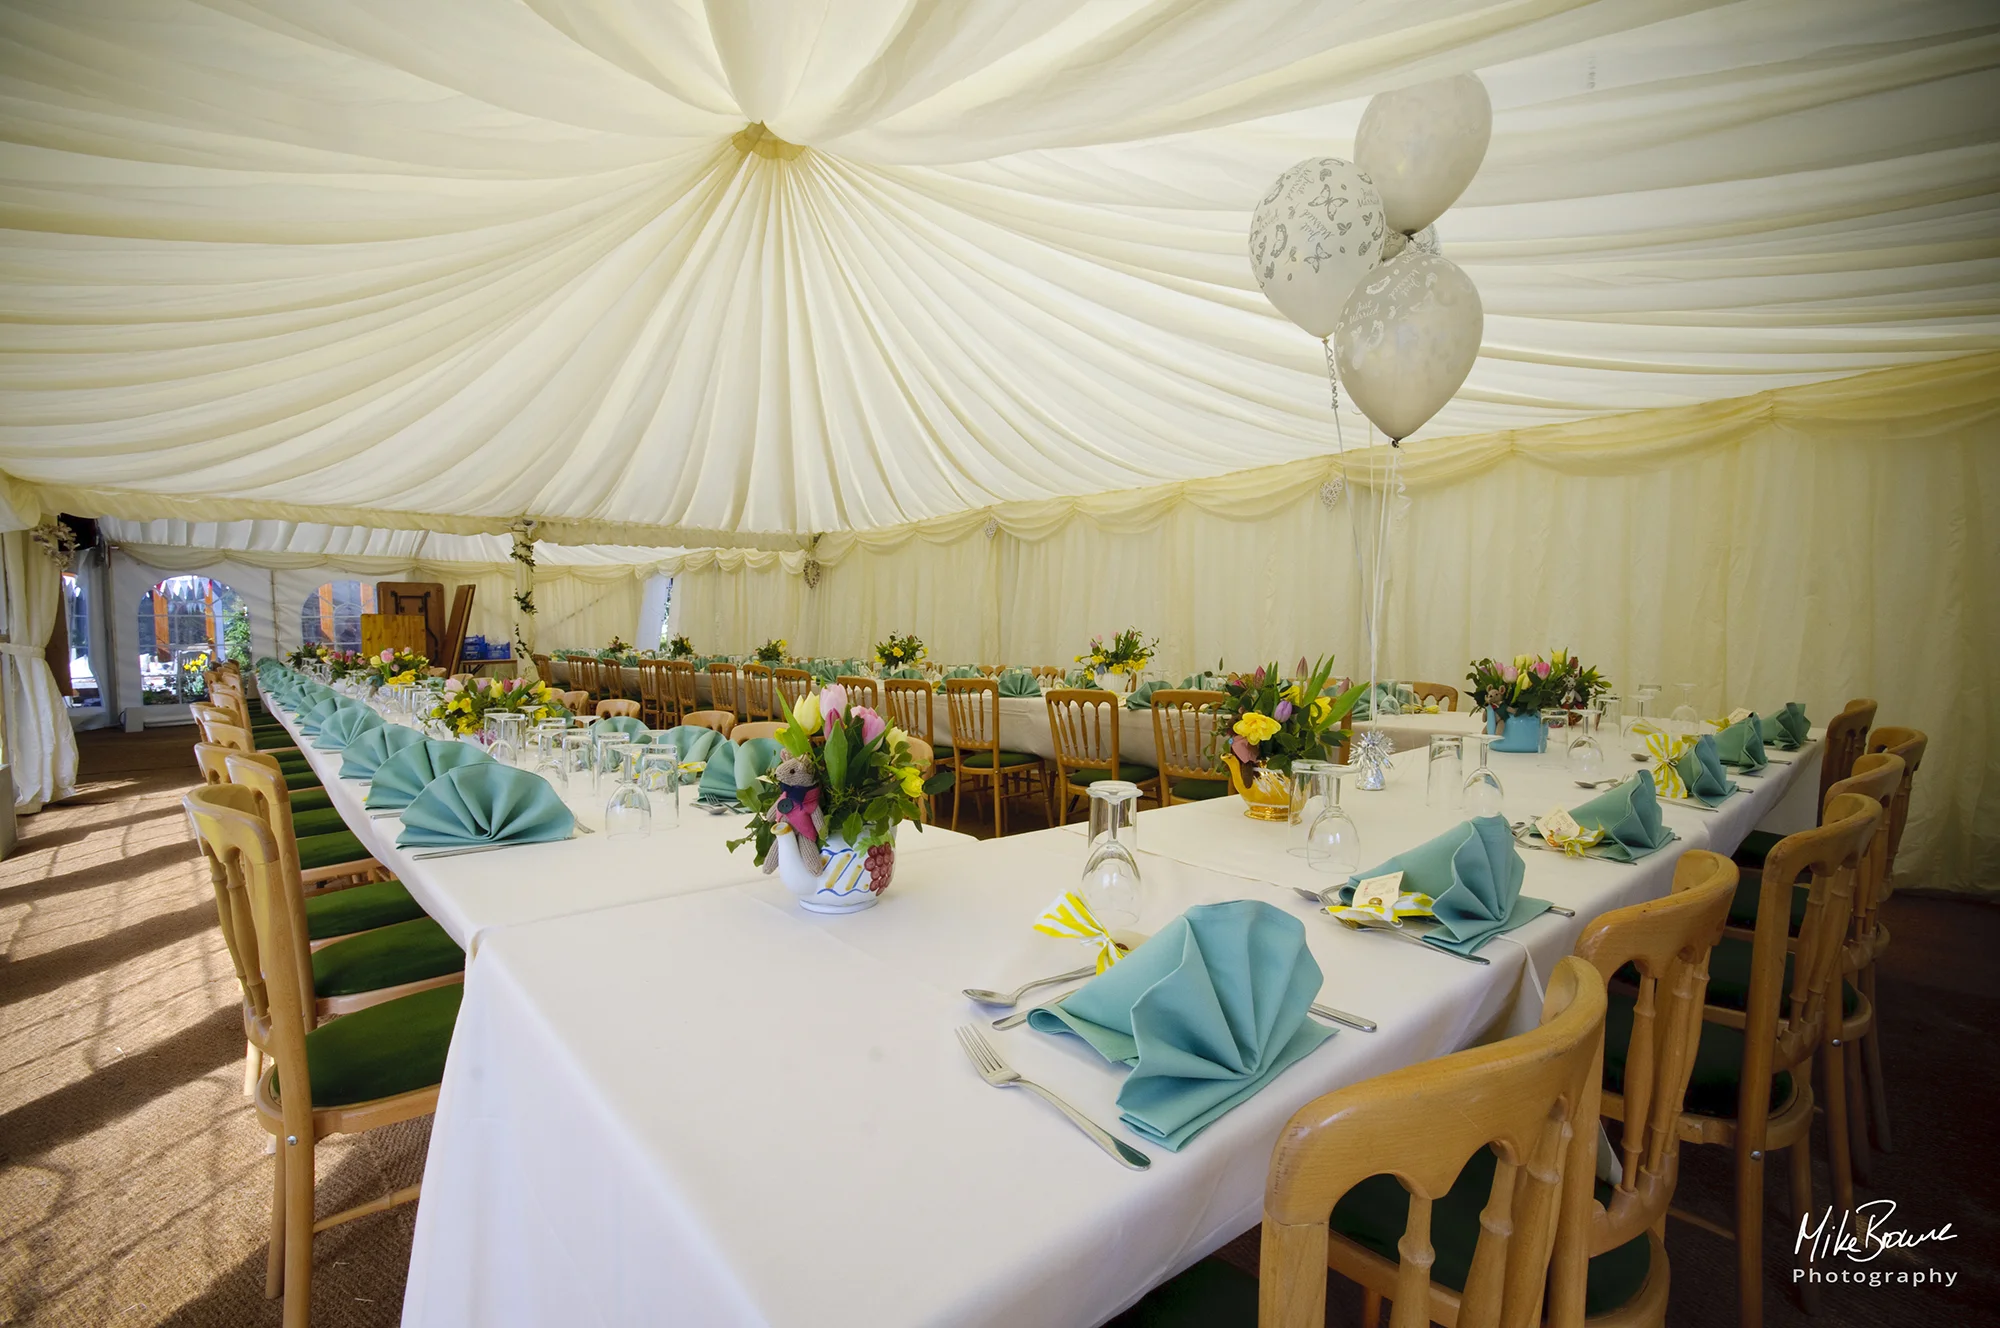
{"x": 1128, "y": 653}
{"x": 847, "y": 773}
{"x": 680, "y": 648}
{"x": 1271, "y": 723}
{"x": 898, "y": 651}
{"x": 772, "y": 651}
{"x": 344, "y": 663}
{"x": 619, "y": 646}
{"x": 1531, "y": 683}
{"x": 304, "y": 655}
{"x": 466, "y": 704}
{"x": 391, "y": 667}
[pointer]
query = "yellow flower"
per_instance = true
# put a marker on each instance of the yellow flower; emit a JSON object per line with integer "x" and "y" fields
{"x": 912, "y": 781}
{"x": 1256, "y": 726}
{"x": 1296, "y": 693}
{"x": 806, "y": 714}
{"x": 1322, "y": 708}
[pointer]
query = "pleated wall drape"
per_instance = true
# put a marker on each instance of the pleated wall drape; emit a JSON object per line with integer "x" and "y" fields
{"x": 40, "y": 745}
{"x": 1820, "y": 545}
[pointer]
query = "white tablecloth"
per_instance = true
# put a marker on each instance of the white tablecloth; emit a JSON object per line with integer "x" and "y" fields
{"x": 474, "y": 892}
{"x": 718, "y": 1109}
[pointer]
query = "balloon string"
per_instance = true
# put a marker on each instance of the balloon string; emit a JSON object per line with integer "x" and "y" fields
{"x": 1347, "y": 485}
{"x": 1381, "y": 550}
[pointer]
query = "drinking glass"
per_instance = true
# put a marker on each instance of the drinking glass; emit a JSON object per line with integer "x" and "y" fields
{"x": 579, "y": 750}
{"x": 510, "y": 732}
{"x": 660, "y": 776}
{"x": 1687, "y": 720}
{"x": 629, "y": 812}
{"x": 1586, "y": 755}
{"x": 1611, "y": 714}
{"x": 1110, "y": 885}
{"x": 1444, "y": 789}
{"x": 1484, "y": 795}
{"x": 1555, "y": 739}
{"x": 1333, "y": 844}
{"x": 1304, "y": 788}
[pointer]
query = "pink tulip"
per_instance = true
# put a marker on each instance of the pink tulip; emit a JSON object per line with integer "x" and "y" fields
{"x": 1258, "y": 676}
{"x": 832, "y": 700}
{"x": 873, "y": 725}
{"x": 1304, "y": 668}
{"x": 1541, "y": 667}
{"x": 1508, "y": 672}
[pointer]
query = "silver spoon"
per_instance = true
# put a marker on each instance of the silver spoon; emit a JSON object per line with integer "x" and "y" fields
{"x": 1598, "y": 783}
{"x": 1008, "y": 1000}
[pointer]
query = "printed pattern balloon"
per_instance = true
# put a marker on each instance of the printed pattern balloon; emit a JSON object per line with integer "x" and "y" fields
{"x": 1395, "y": 242}
{"x": 1422, "y": 145}
{"x": 1316, "y": 233}
{"x": 1407, "y": 339}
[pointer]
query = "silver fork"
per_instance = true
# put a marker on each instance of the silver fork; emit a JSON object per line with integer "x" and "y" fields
{"x": 995, "y": 1071}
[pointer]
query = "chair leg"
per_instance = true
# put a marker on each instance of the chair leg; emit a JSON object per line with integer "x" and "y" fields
{"x": 999, "y": 803}
{"x": 1839, "y": 1158}
{"x": 1749, "y": 1235}
{"x": 1857, "y": 1112}
{"x": 297, "y": 1159}
{"x": 274, "y": 1264}
{"x": 253, "y": 1067}
{"x": 1371, "y": 1308}
{"x": 1871, "y": 1065}
{"x": 1800, "y": 1157}
{"x": 957, "y": 787}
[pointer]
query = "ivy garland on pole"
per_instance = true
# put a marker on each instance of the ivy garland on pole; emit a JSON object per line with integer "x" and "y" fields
{"x": 523, "y": 554}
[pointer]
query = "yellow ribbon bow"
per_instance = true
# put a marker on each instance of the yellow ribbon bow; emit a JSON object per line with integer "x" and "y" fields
{"x": 1559, "y": 830}
{"x": 1666, "y": 752}
{"x": 1070, "y": 916}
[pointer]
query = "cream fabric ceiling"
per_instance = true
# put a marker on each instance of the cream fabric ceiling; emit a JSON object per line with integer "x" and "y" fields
{"x": 395, "y": 263}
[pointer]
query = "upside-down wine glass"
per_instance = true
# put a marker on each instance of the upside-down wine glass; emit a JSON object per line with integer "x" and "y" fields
{"x": 1333, "y": 843}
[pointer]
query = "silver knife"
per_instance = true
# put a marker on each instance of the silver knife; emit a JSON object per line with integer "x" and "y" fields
{"x": 480, "y": 848}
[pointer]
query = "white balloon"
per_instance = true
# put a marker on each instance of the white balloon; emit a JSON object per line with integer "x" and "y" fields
{"x": 1407, "y": 339}
{"x": 1422, "y": 145}
{"x": 1316, "y": 233}
{"x": 1395, "y": 242}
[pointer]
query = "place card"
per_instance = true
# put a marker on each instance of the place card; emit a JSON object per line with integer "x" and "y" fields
{"x": 1378, "y": 894}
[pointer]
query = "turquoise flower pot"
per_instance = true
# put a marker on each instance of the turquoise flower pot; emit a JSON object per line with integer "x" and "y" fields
{"x": 1518, "y": 733}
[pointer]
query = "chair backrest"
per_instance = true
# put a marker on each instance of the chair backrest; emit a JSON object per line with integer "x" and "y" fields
{"x": 1782, "y": 1027}
{"x": 656, "y": 693}
{"x": 208, "y": 712}
{"x": 622, "y": 708}
{"x": 244, "y": 846}
{"x": 1909, "y": 744}
{"x": 681, "y": 679}
{"x": 1184, "y": 733}
{"x": 722, "y": 721}
{"x": 1846, "y": 739}
{"x": 792, "y": 684}
{"x": 1879, "y": 776}
{"x": 260, "y": 774}
{"x": 724, "y": 683}
{"x": 910, "y": 704}
{"x": 232, "y": 903}
{"x": 226, "y": 735}
{"x": 763, "y": 728}
{"x": 975, "y": 714}
{"x": 1668, "y": 940}
{"x": 922, "y": 754}
{"x": 861, "y": 691}
{"x": 1443, "y": 693}
{"x": 757, "y": 692}
{"x": 1532, "y": 1099}
{"x": 545, "y": 669}
{"x": 575, "y": 702}
{"x": 1053, "y": 672}
{"x": 1083, "y": 726}
{"x": 213, "y": 761}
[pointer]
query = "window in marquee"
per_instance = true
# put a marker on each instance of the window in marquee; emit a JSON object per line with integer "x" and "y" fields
{"x": 667, "y": 616}
{"x": 184, "y": 621}
{"x": 76, "y": 616}
{"x": 331, "y": 615}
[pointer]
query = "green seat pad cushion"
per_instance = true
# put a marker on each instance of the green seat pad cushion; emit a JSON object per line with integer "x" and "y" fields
{"x": 310, "y": 800}
{"x": 1200, "y": 790}
{"x": 1374, "y": 1213}
{"x": 325, "y": 850}
{"x": 317, "y": 821}
{"x": 266, "y": 742}
{"x": 1756, "y": 847}
{"x": 1212, "y": 1294}
{"x": 386, "y": 957}
{"x": 984, "y": 760}
{"x": 1129, "y": 771}
{"x": 1729, "y": 977}
{"x": 301, "y": 779}
{"x": 359, "y": 908}
{"x": 395, "y": 1047}
{"x": 1743, "y": 908}
{"x": 1718, "y": 1063}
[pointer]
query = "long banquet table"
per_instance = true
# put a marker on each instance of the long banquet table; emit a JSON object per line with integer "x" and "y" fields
{"x": 718, "y": 1109}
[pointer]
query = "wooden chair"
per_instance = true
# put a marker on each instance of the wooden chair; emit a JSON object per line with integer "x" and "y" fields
{"x": 725, "y": 689}
{"x": 576, "y": 702}
{"x": 1846, "y": 738}
{"x": 375, "y": 1067}
{"x": 722, "y": 721}
{"x": 656, "y": 695}
{"x": 793, "y": 685}
{"x": 296, "y": 769}
{"x": 1184, "y": 736}
{"x": 1908, "y": 746}
{"x": 1508, "y": 1125}
{"x": 317, "y": 862}
{"x": 545, "y": 669}
{"x": 975, "y": 749}
{"x": 1766, "y": 1016}
{"x": 1650, "y": 1032}
{"x": 757, "y": 691}
{"x": 763, "y": 728}
{"x": 1443, "y": 693}
{"x": 861, "y": 691}
{"x": 1046, "y": 673}
{"x": 682, "y": 689}
{"x": 1083, "y": 728}
{"x": 911, "y": 705}
{"x": 621, "y": 709}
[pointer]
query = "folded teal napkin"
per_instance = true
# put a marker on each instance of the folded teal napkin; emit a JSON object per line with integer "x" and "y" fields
{"x": 1019, "y": 682}
{"x": 345, "y": 726}
{"x": 1203, "y": 682}
{"x": 1206, "y": 1013}
{"x": 1786, "y": 729}
{"x": 1629, "y": 816}
{"x": 1142, "y": 696}
{"x": 1702, "y": 772}
{"x": 734, "y": 765}
{"x": 407, "y": 773}
{"x": 904, "y": 672}
{"x": 1081, "y": 678}
{"x": 368, "y": 751}
{"x": 967, "y": 671}
{"x": 823, "y": 670}
{"x": 1473, "y": 873}
{"x": 319, "y": 712}
{"x": 693, "y": 743}
{"x": 485, "y": 803}
{"x": 1742, "y": 745}
{"x": 634, "y": 730}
